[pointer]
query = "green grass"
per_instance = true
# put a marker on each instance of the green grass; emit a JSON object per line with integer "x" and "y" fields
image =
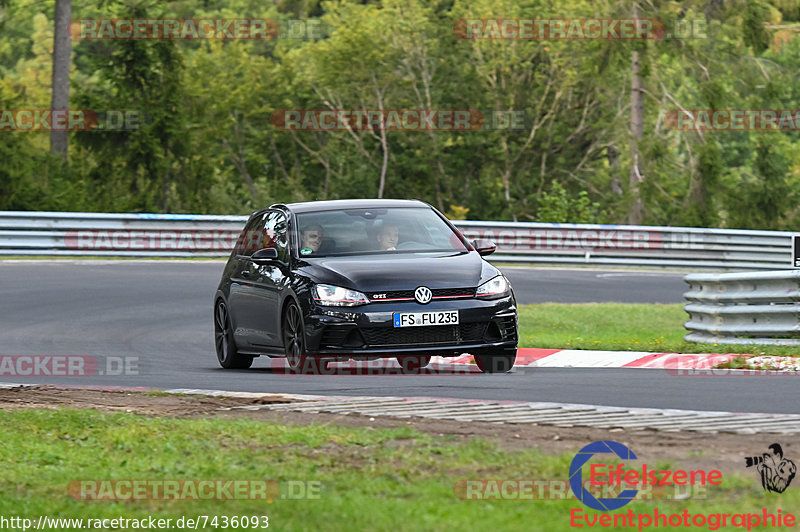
{"x": 619, "y": 327}
{"x": 371, "y": 479}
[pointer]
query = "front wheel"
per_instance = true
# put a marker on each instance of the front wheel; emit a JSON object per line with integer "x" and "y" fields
{"x": 294, "y": 344}
{"x": 500, "y": 362}
{"x": 227, "y": 354}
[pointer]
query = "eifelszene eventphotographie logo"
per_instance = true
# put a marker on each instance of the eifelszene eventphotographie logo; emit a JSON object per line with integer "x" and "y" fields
{"x": 776, "y": 472}
{"x": 619, "y": 476}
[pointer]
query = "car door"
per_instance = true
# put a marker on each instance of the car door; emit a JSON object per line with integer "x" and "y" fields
{"x": 240, "y": 289}
{"x": 262, "y": 284}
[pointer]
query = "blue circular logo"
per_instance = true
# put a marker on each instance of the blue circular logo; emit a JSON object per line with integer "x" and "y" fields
{"x": 576, "y": 478}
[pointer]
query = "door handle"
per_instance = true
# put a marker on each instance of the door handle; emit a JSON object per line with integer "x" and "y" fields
{"x": 246, "y": 273}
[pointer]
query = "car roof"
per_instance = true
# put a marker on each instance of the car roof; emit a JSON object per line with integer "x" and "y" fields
{"x": 332, "y": 205}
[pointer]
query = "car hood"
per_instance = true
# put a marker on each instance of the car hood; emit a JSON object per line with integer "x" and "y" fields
{"x": 401, "y": 271}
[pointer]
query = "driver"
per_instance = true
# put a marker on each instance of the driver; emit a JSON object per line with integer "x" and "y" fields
{"x": 311, "y": 238}
{"x": 388, "y": 237}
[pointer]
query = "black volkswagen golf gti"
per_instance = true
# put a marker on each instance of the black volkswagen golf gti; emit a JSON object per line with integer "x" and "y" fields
{"x": 361, "y": 279}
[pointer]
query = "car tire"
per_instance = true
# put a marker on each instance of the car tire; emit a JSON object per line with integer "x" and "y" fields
{"x": 413, "y": 363}
{"x": 294, "y": 344}
{"x": 500, "y": 362}
{"x": 227, "y": 354}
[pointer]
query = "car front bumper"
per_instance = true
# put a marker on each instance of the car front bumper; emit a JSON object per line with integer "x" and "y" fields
{"x": 484, "y": 326}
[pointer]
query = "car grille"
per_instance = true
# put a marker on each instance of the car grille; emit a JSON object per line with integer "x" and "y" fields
{"x": 439, "y": 334}
{"x": 452, "y": 292}
{"x": 442, "y": 293}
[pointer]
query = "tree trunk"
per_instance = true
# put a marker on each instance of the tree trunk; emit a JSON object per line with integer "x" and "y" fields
{"x": 385, "y": 147}
{"x": 635, "y": 177}
{"x": 62, "y": 47}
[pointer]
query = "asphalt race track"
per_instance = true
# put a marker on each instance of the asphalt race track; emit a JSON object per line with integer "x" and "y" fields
{"x": 541, "y": 285}
{"x": 159, "y": 314}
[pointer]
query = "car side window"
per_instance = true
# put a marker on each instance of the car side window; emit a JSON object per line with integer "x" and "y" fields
{"x": 267, "y": 230}
{"x": 276, "y": 234}
{"x": 249, "y": 240}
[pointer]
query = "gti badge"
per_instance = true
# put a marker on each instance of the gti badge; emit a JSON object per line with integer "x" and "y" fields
{"x": 423, "y": 295}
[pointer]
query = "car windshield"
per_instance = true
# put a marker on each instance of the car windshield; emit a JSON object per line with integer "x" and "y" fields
{"x": 380, "y": 230}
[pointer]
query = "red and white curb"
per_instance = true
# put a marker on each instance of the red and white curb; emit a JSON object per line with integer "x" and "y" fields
{"x": 580, "y": 358}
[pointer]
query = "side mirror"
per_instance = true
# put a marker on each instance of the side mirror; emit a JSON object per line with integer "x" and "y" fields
{"x": 264, "y": 256}
{"x": 484, "y": 247}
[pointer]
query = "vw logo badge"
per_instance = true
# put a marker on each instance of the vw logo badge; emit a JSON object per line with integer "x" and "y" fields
{"x": 423, "y": 295}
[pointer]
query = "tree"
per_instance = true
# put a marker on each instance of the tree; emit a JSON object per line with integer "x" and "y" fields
{"x": 62, "y": 46}
{"x": 637, "y": 130}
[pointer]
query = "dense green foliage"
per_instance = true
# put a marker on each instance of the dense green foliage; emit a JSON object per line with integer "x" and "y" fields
{"x": 209, "y": 146}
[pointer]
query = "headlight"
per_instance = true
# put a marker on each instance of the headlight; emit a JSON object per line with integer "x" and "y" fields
{"x": 494, "y": 288}
{"x": 337, "y": 296}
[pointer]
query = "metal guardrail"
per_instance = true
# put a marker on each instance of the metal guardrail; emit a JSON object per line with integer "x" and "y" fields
{"x": 181, "y": 235}
{"x": 120, "y": 235}
{"x": 744, "y": 308}
{"x": 634, "y": 245}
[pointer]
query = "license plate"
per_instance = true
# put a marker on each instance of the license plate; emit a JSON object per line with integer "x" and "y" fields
{"x": 419, "y": 319}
